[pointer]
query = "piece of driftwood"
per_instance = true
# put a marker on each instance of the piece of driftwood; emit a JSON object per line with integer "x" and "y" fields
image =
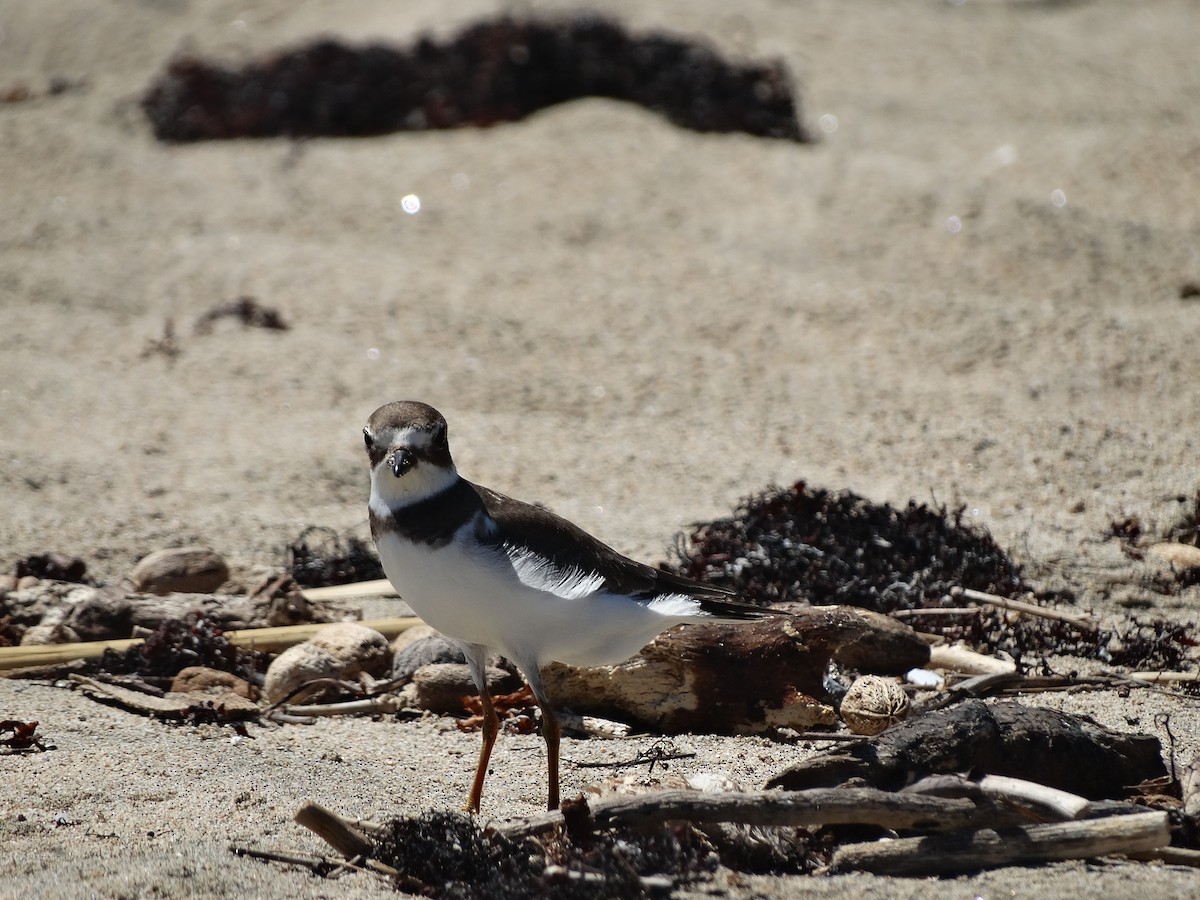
{"x": 946, "y": 854}
{"x": 738, "y": 679}
{"x": 1190, "y": 787}
{"x": 959, "y": 658}
{"x": 339, "y": 833}
{"x": 229, "y": 705}
{"x": 1172, "y": 856}
{"x": 1071, "y": 753}
{"x": 379, "y": 587}
{"x": 1038, "y": 800}
{"x": 373, "y": 706}
{"x": 820, "y": 806}
{"x": 264, "y": 639}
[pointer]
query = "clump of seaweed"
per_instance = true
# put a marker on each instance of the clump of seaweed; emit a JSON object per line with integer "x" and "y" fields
{"x": 176, "y": 644}
{"x": 318, "y": 558}
{"x": 823, "y": 547}
{"x": 500, "y": 70}
{"x": 449, "y": 855}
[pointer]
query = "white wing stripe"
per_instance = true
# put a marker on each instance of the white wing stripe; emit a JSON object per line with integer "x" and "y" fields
{"x": 538, "y": 573}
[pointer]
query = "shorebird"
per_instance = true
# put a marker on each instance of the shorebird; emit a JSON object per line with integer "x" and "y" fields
{"x": 497, "y": 574}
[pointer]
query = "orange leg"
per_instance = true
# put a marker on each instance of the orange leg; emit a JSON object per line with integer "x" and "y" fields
{"x": 491, "y": 728}
{"x": 551, "y": 732}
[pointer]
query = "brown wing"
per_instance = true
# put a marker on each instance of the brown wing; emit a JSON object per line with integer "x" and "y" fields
{"x": 569, "y": 546}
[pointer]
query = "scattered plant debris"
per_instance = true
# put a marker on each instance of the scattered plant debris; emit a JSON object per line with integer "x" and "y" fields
{"x": 22, "y": 93}
{"x": 22, "y": 737}
{"x": 54, "y": 566}
{"x": 1128, "y": 531}
{"x": 246, "y": 310}
{"x": 516, "y": 712}
{"x": 318, "y": 558}
{"x": 10, "y": 630}
{"x": 444, "y": 854}
{"x": 175, "y": 645}
{"x": 166, "y": 345}
{"x": 494, "y": 71}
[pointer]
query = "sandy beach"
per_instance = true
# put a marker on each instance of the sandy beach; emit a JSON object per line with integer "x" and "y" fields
{"x": 974, "y": 289}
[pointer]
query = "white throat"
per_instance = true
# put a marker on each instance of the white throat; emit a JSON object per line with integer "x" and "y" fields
{"x": 419, "y": 483}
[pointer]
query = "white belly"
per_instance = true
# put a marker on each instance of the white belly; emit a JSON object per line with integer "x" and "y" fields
{"x": 480, "y": 598}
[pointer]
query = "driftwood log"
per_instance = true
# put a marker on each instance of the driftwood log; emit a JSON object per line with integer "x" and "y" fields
{"x": 973, "y": 850}
{"x": 1071, "y": 753}
{"x": 109, "y": 613}
{"x": 738, "y": 679}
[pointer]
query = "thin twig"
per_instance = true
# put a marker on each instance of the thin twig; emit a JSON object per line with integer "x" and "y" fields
{"x": 1084, "y": 623}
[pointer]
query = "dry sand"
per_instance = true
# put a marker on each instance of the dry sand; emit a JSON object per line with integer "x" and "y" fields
{"x": 969, "y": 290}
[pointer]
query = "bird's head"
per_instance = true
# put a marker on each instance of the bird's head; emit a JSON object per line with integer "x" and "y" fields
{"x": 409, "y": 453}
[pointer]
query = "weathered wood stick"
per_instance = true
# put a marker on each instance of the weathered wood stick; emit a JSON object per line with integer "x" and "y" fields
{"x": 381, "y": 587}
{"x": 1039, "y": 798}
{"x": 973, "y": 850}
{"x": 831, "y": 806}
{"x": 1172, "y": 856}
{"x": 337, "y": 832}
{"x": 957, "y": 658}
{"x": 1044, "y": 801}
{"x": 1190, "y": 787}
{"x": 265, "y": 639}
{"x": 387, "y": 703}
{"x": 1086, "y": 623}
{"x": 324, "y": 814}
{"x": 1165, "y": 677}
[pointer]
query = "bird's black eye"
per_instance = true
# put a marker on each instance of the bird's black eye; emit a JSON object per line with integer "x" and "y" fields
{"x": 367, "y": 438}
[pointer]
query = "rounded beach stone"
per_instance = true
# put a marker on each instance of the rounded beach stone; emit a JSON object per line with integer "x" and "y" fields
{"x": 873, "y": 704}
{"x": 343, "y": 650}
{"x": 192, "y": 570}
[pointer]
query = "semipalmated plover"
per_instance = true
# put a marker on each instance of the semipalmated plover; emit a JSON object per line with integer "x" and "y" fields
{"x": 497, "y": 574}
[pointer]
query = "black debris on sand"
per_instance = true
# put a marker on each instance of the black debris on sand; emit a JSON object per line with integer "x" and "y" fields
{"x": 812, "y": 545}
{"x": 817, "y": 546}
{"x": 448, "y": 854}
{"x": 175, "y": 645}
{"x": 319, "y": 558}
{"x": 495, "y": 71}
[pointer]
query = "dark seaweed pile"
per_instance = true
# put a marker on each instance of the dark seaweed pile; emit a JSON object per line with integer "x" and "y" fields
{"x": 495, "y": 71}
{"x": 816, "y": 546}
{"x": 823, "y": 547}
{"x": 448, "y": 854}
{"x": 175, "y": 645}
{"x": 318, "y": 558}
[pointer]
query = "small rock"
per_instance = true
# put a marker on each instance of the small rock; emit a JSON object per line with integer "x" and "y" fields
{"x": 203, "y": 680}
{"x": 440, "y": 687}
{"x": 873, "y": 704}
{"x": 27, "y": 581}
{"x": 196, "y": 570}
{"x": 427, "y": 650}
{"x": 411, "y": 636}
{"x": 344, "y": 650}
{"x": 1181, "y": 556}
